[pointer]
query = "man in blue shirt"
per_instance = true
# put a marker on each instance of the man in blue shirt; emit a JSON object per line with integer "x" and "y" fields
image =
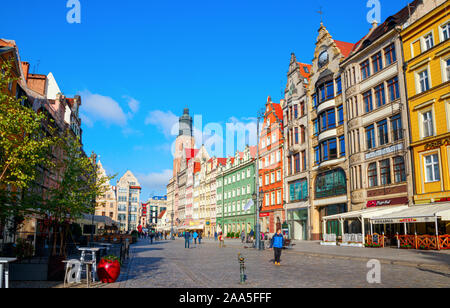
{"x": 194, "y": 236}
{"x": 277, "y": 244}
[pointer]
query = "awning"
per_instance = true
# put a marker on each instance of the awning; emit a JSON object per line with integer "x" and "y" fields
{"x": 88, "y": 218}
{"x": 416, "y": 213}
{"x": 366, "y": 213}
{"x": 196, "y": 227}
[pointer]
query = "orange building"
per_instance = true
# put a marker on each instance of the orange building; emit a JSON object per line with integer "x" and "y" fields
{"x": 271, "y": 168}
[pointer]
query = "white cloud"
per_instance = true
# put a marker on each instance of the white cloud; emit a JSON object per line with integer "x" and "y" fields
{"x": 155, "y": 181}
{"x": 166, "y": 122}
{"x": 96, "y": 107}
{"x": 133, "y": 104}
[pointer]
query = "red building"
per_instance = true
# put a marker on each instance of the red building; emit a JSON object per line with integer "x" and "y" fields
{"x": 271, "y": 168}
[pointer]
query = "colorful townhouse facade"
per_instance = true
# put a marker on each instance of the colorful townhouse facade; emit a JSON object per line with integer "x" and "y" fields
{"x": 380, "y": 169}
{"x": 296, "y": 149}
{"x": 426, "y": 49}
{"x": 271, "y": 156}
{"x": 329, "y": 166}
{"x": 235, "y": 188}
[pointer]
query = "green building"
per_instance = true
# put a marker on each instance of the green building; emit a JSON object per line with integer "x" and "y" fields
{"x": 235, "y": 188}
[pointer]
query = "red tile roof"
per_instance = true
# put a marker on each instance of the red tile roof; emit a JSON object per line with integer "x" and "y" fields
{"x": 303, "y": 72}
{"x": 221, "y": 161}
{"x": 344, "y": 47}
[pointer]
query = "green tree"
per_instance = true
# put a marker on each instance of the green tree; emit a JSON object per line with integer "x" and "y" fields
{"x": 77, "y": 190}
{"x": 25, "y": 142}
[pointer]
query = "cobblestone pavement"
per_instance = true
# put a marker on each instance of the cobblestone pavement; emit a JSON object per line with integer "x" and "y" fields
{"x": 169, "y": 264}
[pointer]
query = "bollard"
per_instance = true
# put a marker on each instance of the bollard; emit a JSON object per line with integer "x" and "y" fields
{"x": 242, "y": 268}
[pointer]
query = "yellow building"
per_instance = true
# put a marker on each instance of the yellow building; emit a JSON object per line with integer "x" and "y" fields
{"x": 426, "y": 48}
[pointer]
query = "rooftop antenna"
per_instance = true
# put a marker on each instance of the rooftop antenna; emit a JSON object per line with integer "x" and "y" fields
{"x": 34, "y": 67}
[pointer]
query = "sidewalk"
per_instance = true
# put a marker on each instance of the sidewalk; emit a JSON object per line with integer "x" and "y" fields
{"x": 408, "y": 257}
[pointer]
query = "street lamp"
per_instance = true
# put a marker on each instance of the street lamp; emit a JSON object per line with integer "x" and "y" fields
{"x": 260, "y": 115}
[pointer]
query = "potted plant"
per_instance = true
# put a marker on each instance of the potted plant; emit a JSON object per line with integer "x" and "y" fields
{"x": 108, "y": 269}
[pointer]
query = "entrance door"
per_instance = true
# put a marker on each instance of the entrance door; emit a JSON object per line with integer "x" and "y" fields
{"x": 298, "y": 230}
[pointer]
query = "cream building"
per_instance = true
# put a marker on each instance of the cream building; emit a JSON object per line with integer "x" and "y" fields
{"x": 128, "y": 202}
{"x": 107, "y": 203}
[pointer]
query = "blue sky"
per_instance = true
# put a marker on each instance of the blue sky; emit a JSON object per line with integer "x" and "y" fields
{"x": 138, "y": 63}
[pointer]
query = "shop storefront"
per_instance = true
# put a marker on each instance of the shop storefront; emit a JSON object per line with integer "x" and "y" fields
{"x": 298, "y": 224}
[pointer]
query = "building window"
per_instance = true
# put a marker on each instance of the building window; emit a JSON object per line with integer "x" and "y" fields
{"x": 367, "y": 98}
{"x": 389, "y": 54}
{"x": 295, "y": 111}
{"x": 397, "y": 130}
{"x": 385, "y": 172}
{"x": 432, "y": 168}
{"x": 296, "y": 135}
{"x": 314, "y": 98}
{"x": 393, "y": 89}
{"x": 370, "y": 134}
{"x": 399, "y": 169}
{"x": 316, "y": 126}
{"x": 303, "y": 160}
{"x": 316, "y": 155}
{"x": 338, "y": 85}
{"x": 427, "y": 120}
{"x": 382, "y": 132}
{"x": 424, "y": 82}
{"x": 445, "y": 31}
{"x": 330, "y": 89}
{"x": 330, "y": 184}
{"x": 342, "y": 145}
{"x": 303, "y": 133}
{"x": 428, "y": 41}
{"x": 298, "y": 190}
{"x": 380, "y": 98}
{"x": 341, "y": 114}
{"x": 376, "y": 62}
{"x": 327, "y": 120}
{"x": 372, "y": 175}
{"x": 297, "y": 162}
{"x": 365, "y": 69}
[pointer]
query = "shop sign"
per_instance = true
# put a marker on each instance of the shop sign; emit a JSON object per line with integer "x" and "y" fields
{"x": 375, "y": 203}
{"x": 402, "y": 220}
{"x": 437, "y": 143}
{"x": 264, "y": 214}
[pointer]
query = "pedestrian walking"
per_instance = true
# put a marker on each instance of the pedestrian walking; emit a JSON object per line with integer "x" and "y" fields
{"x": 151, "y": 238}
{"x": 200, "y": 238}
{"x": 221, "y": 241}
{"x": 215, "y": 236}
{"x": 243, "y": 236}
{"x": 187, "y": 238}
{"x": 277, "y": 244}
{"x": 195, "y": 236}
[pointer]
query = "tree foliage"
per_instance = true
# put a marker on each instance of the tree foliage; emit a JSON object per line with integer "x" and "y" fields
{"x": 24, "y": 145}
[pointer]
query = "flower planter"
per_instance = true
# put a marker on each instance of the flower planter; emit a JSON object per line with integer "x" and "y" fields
{"x": 108, "y": 271}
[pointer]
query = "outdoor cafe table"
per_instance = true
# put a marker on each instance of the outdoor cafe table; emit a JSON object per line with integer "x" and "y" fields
{"x": 93, "y": 251}
{"x": 4, "y": 265}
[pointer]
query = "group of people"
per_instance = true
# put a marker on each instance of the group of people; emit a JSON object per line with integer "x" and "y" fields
{"x": 154, "y": 236}
{"x": 190, "y": 237}
{"x": 276, "y": 242}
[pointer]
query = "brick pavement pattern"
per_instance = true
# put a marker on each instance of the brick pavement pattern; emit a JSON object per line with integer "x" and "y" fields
{"x": 167, "y": 264}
